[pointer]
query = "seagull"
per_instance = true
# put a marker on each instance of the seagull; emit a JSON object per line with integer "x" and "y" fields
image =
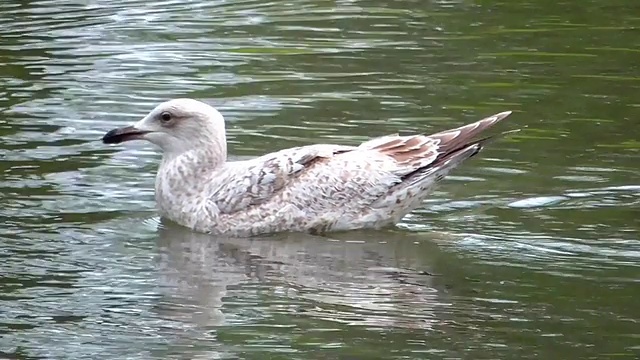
{"x": 316, "y": 189}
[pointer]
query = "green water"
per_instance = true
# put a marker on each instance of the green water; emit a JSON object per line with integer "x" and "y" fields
{"x": 529, "y": 251}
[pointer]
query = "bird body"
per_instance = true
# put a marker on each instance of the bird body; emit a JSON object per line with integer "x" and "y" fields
{"x": 315, "y": 188}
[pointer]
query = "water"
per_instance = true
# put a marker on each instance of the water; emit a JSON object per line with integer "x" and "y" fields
{"x": 530, "y": 251}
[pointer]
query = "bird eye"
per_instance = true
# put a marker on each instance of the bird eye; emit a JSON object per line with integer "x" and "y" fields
{"x": 165, "y": 116}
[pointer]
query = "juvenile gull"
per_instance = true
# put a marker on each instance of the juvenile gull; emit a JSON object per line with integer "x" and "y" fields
{"x": 314, "y": 188}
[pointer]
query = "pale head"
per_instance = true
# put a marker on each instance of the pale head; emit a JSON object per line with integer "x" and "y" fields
{"x": 177, "y": 126}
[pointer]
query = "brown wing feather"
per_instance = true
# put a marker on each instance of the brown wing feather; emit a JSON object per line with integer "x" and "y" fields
{"x": 419, "y": 151}
{"x": 416, "y": 150}
{"x": 454, "y": 139}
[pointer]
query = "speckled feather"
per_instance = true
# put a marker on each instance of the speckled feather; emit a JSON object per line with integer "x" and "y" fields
{"x": 315, "y": 188}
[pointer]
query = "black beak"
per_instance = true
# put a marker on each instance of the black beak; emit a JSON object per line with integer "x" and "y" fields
{"x": 116, "y": 136}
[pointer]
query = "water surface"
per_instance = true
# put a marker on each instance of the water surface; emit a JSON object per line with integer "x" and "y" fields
{"x": 528, "y": 251}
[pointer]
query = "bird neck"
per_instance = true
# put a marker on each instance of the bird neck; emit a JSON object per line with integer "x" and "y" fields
{"x": 191, "y": 165}
{"x": 181, "y": 181}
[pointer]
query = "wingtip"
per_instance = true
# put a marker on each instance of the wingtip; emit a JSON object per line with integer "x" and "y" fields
{"x": 495, "y": 118}
{"x": 503, "y": 114}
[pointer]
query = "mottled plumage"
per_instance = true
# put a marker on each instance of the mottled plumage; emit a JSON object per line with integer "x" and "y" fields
{"x": 316, "y": 188}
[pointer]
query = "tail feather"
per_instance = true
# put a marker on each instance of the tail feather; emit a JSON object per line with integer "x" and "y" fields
{"x": 415, "y": 152}
{"x": 448, "y": 161}
{"x": 450, "y": 140}
{"x": 436, "y": 155}
{"x": 437, "y": 150}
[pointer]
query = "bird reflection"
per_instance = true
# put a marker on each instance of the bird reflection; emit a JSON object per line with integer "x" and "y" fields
{"x": 358, "y": 278}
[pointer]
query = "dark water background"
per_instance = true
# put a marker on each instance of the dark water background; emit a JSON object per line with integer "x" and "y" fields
{"x": 530, "y": 251}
